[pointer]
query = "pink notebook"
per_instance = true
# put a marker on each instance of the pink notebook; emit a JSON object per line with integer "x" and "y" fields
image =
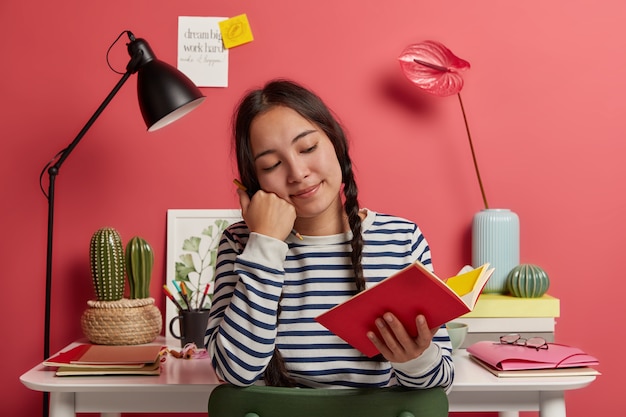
{"x": 511, "y": 357}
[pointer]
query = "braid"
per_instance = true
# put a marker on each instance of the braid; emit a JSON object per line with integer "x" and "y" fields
{"x": 352, "y": 210}
{"x": 276, "y": 373}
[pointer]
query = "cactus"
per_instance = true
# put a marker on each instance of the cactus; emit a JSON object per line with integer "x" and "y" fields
{"x": 528, "y": 281}
{"x": 139, "y": 261}
{"x": 106, "y": 256}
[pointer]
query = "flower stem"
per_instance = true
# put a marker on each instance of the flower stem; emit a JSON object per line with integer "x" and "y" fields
{"x": 469, "y": 136}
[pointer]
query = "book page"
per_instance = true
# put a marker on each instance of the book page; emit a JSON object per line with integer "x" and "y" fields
{"x": 465, "y": 282}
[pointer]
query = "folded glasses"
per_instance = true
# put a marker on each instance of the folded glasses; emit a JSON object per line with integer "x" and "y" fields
{"x": 531, "y": 342}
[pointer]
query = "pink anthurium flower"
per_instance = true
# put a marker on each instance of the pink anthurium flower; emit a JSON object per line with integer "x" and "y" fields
{"x": 435, "y": 69}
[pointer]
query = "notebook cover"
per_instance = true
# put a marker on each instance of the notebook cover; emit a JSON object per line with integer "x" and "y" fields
{"x": 512, "y": 357}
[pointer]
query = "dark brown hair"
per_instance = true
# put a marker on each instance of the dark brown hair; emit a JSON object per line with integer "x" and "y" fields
{"x": 294, "y": 96}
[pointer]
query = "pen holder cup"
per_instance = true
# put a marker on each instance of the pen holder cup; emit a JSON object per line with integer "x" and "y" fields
{"x": 192, "y": 327}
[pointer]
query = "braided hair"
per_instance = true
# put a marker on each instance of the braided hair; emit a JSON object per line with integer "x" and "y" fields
{"x": 289, "y": 94}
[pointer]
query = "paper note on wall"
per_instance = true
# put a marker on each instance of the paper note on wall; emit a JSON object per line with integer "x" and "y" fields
{"x": 201, "y": 53}
{"x": 236, "y": 31}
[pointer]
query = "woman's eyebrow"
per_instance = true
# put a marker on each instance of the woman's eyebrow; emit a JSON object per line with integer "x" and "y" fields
{"x": 293, "y": 141}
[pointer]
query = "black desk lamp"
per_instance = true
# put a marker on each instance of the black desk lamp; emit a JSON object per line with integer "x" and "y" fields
{"x": 165, "y": 95}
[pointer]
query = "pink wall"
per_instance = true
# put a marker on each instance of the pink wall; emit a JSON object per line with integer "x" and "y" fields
{"x": 545, "y": 99}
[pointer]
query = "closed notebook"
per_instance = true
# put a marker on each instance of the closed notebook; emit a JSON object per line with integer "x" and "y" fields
{"x": 90, "y": 355}
{"x": 519, "y": 373}
{"x": 513, "y": 357}
{"x": 148, "y": 369}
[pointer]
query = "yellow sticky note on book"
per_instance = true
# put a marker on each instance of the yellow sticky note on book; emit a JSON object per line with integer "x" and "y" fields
{"x": 236, "y": 31}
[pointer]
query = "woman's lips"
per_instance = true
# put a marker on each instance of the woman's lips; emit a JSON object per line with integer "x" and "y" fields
{"x": 307, "y": 192}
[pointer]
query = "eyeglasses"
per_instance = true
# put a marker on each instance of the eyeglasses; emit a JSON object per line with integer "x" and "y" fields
{"x": 531, "y": 342}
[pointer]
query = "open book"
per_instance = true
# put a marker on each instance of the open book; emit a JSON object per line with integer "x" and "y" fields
{"x": 411, "y": 291}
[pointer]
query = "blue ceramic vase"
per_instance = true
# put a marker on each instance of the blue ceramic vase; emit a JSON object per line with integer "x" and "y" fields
{"x": 495, "y": 239}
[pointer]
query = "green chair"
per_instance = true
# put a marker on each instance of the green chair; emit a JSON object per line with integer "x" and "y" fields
{"x": 228, "y": 400}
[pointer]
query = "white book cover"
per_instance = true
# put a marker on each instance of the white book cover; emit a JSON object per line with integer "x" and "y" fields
{"x": 508, "y": 324}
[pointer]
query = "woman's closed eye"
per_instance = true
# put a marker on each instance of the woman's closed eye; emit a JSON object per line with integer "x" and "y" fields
{"x": 274, "y": 165}
{"x": 271, "y": 167}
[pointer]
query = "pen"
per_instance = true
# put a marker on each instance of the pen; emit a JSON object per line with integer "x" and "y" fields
{"x": 243, "y": 188}
{"x": 171, "y": 297}
{"x": 180, "y": 292}
{"x": 206, "y": 290}
{"x": 184, "y": 295}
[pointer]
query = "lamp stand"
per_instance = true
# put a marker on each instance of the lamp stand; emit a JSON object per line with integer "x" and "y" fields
{"x": 53, "y": 171}
{"x": 165, "y": 95}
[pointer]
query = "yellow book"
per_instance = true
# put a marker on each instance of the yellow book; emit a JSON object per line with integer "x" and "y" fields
{"x": 498, "y": 305}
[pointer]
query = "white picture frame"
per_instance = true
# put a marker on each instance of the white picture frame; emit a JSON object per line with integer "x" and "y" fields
{"x": 200, "y": 230}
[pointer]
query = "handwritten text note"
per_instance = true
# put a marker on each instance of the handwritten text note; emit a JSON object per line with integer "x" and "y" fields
{"x": 201, "y": 53}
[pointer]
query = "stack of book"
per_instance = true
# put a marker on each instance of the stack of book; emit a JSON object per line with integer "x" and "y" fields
{"x": 89, "y": 359}
{"x": 495, "y": 315}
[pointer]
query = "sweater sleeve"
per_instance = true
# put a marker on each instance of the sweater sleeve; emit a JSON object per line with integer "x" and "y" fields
{"x": 243, "y": 319}
{"x": 433, "y": 368}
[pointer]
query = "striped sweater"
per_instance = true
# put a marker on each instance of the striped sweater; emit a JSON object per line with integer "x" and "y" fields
{"x": 254, "y": 273}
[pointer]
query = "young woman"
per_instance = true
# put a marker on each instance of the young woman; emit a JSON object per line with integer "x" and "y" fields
{"x": 293, "y": 158}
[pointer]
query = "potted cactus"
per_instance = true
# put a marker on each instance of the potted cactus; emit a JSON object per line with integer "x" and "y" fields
{"x": 112, "y": 319}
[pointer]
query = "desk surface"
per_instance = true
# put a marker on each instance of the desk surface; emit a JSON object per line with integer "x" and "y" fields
{"x": 196, "y": 374}
{"x": 473, "y": 388}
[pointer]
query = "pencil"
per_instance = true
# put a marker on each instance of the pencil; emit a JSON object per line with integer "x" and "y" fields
{"x": 243, "y": 188}
{"x": 171, "y": 297}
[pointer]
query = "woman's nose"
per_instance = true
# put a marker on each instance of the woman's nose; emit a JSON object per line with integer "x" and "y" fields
{"x": 297, "y": 171}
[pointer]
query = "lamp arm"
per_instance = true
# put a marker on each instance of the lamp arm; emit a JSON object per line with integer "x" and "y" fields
{"x": 66, "y": 152}
{"x": 53, "y": 171}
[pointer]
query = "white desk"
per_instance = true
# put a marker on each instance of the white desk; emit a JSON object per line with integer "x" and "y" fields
{"x": 185, "y": 385}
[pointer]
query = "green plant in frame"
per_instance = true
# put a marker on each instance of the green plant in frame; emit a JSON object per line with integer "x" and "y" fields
{"x": 196, "y": 266}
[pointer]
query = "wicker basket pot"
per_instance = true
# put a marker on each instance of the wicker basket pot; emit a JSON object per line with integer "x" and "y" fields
{"x": 122, "y": 322}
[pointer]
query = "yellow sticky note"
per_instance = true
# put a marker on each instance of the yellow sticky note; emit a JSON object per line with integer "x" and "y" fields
{"x": 236, "y": 31}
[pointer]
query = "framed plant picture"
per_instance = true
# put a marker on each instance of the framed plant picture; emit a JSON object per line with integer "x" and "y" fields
{"x": 192, "y": 241}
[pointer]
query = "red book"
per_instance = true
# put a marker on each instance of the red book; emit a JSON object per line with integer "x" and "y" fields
{"x": 413, "y": 290}
{"x": 89, "y": 355}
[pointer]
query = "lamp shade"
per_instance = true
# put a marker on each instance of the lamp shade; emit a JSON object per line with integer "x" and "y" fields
{"x": 165, "y": 94}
